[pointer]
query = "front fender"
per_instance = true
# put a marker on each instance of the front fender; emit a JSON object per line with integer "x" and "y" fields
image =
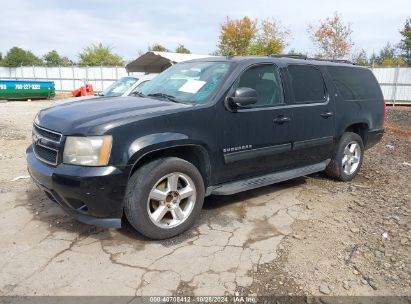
{"x": 160, "y": 141}
{"x": 150, "y": 142}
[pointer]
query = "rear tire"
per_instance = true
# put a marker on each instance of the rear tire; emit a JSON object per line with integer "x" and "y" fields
{"x": 164, "y": 197}
{"x": 347, "y": 159}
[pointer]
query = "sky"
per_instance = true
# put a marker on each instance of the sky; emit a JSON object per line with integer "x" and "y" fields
{"x": 129, "y": 26}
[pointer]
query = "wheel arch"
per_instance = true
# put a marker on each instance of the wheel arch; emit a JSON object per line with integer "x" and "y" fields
{"x": 155, "y": 146}
{"x": 360, "y": 128}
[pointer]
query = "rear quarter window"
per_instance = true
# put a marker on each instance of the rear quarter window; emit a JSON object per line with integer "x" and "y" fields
{"x": 355, "y": 83}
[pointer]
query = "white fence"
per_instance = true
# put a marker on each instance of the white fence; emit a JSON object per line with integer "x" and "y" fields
{"x": 395, "y": 82}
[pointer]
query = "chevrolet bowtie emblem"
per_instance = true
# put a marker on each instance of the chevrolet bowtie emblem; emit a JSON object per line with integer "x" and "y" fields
{"x": 36, "y": 139}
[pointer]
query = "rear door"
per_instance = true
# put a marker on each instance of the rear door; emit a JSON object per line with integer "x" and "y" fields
{"x": 313, "y": 113}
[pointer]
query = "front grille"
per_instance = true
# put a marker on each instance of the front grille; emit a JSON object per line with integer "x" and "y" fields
{"x": 45, "y": 154}
{"x": 50, "y": 135}
{"x": 46, "y": 145}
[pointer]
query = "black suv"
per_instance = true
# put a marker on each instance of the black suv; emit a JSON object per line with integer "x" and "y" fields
{"x": 209, "y": 126}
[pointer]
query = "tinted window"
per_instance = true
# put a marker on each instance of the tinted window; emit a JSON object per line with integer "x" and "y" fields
{"x": 355, "y": 83}
{"x": 307, "y": 83}
{"x": 265, "y": 79}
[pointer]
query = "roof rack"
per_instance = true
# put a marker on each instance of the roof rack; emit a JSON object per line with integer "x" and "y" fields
{"x": 333, "y": 60}
{"x": 304, "y": 57}
{"x": 344, "y": 61}
{"x": 296, "y": 56}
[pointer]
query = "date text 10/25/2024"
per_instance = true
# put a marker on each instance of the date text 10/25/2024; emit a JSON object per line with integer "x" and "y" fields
{"x": 204, "y": 299}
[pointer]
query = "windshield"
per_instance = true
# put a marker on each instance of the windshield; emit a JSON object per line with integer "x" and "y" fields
{"x": 119, "y": 87}
{"x": 190, "y": 82}
{"x": 139, "y": 87}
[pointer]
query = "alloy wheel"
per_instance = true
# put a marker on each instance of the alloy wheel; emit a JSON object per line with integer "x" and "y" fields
{"x": 351, "y": 158}
{"x": 171, "y": 200}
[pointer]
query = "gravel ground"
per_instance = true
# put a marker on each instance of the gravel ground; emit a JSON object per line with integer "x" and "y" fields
{"x": 357, "y": 239}
{"x": 309, "y": 236}
{"x": 399, "y": 117}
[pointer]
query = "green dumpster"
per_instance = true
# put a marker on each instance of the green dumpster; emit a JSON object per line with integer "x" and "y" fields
{"x": 26, "y": 89}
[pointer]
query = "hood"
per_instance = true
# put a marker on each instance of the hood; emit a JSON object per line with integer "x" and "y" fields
{"x": 95, "y": 116}
{"x": 73, "y": 99}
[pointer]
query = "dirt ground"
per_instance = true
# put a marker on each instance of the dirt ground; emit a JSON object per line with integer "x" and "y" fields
{"x": 308, "y": 236}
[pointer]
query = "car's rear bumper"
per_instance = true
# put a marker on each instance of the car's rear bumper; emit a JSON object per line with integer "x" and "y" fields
{"x": 92, "y": 195}
{"x": 373, "y": 137}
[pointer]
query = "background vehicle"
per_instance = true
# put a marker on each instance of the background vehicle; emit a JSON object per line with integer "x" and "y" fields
{"x": 126, "y": 85}
{"x": 210, "y": 126}
{"x": 123, "y": 87}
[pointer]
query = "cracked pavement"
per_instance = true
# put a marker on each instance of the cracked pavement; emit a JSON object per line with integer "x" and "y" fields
{"x": 43, "y": 251}
{"x": 50, "y": 253}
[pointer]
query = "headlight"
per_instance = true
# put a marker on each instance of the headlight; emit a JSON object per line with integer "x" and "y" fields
{"x": 87, "y": 151}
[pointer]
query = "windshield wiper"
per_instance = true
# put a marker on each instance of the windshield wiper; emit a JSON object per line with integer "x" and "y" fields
{"x": 139, "y": 94}
{"x": 165, "y": 96}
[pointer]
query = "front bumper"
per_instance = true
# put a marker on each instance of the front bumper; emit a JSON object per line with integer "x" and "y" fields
{"x": 92, "y": 195}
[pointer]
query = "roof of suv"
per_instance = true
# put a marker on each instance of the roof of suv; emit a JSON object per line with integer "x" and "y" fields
{"x": 285, "y": 60}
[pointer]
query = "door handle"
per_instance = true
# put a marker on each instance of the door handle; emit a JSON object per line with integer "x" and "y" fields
{"x": 281, "y": 119}
{"x": 326, "y": 114}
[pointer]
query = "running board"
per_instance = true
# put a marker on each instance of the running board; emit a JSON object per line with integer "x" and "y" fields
{"x": 264, "y": 180}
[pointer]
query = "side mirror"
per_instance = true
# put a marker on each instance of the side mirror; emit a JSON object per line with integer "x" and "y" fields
{"x": 243, "y": 97}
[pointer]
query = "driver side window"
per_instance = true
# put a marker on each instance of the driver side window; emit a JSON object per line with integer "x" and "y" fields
{"x": 265, "y": 79}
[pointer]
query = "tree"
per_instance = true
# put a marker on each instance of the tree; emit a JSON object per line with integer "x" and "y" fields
{"x": 393, "y": 61}
{"x": 53, "y": 58}
{"x": 373, "y": 59}
{"x": 251, "y": 37}
{"x": 387, "y": 52}
{"x": 295, "y": 52}
{"x": 156, "y": 47}
{"x": 401, "y": 61}
{"x": 332, "y": 37}
{"x": 387, "y": 57}
{"x": 388, "y": 62}
{"x": 236, "y": 36}
{"x": 182, "y": 49}
{"x": 405, "y": 44}
{"x": 270, "y": 39}
{"x": 97, "y": 55}
{"x": 17, "y": 56}
{"x": 361, "y": 58}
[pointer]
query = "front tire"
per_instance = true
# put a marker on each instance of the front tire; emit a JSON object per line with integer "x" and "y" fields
{"x": 164, "y": 197}
{"x": 348, "y": 157}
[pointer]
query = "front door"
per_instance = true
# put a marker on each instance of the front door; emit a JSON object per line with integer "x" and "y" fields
{"x": 257, "y": 139}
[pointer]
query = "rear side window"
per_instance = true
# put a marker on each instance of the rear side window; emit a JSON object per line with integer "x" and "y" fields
{"x": 307, "y": 83}
{"x": 355, "y": 83}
